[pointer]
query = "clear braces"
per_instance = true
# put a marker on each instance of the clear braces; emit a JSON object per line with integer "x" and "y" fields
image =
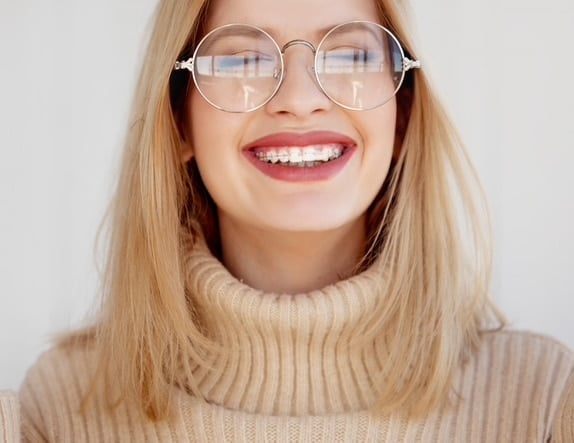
{"x": 295, "y": 156}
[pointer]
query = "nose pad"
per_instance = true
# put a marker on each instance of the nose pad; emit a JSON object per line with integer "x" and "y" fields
{"x": 309, "y": 71}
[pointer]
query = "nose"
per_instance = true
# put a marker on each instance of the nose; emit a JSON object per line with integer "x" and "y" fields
{"x": 299, "y": 93}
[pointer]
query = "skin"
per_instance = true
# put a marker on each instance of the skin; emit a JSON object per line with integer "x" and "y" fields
{"x": 278, "y": 236}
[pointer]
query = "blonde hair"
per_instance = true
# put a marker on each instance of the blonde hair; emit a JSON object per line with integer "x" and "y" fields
{"x": 427, "y": 223}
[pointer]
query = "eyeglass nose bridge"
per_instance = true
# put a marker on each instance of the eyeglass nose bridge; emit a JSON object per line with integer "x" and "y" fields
{"x": 311, "y": 68}
{"x": 298, "y": 41}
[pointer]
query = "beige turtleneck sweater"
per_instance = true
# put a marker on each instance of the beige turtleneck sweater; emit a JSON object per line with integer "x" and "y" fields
{"x": 296, "y": 380}
{"x": 9, "y": 418}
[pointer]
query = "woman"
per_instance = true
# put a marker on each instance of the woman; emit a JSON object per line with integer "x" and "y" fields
{"x": 297, "y": 251}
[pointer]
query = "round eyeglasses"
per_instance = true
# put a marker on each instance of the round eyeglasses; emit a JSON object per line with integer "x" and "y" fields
{"x": 359, "y": 65}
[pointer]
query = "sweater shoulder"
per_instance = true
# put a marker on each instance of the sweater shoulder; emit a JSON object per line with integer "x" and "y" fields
{"x": 63, "y": 358}
{"x": 53, "y": 388}
{"x": 61, "y": 402}
{"x": 553, "y": 384}
{"x": 520, "y": 342}
{"x": 509, "y": 349}
{"x": 512, "y": 386}
{"x": 525, "y": 358}
{"x": 66, "y": 368}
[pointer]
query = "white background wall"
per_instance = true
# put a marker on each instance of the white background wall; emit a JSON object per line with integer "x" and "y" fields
{"x": 67, "y": 71}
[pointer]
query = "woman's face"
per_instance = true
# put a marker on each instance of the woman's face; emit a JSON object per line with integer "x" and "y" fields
{"x": 233, "y": 150}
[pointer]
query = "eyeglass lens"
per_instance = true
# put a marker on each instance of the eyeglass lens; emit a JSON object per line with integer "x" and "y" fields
{"x": 358, "y": 65}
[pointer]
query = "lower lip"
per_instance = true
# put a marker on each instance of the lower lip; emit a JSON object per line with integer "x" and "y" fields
{"x": 321, "y": 172}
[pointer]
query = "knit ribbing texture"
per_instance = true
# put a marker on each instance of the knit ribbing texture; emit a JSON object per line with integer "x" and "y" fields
{"x": 292, "y": 374}
{"x": 9, "y": 418}
{"x": 287, "y": 354}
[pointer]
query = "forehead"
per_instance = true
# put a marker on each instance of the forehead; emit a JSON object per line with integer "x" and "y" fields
{"x": 291, "y": 17}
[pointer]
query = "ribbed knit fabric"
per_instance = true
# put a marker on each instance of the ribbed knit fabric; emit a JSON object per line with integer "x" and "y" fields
{"x": 564, "y": 423}
{"x": 9, "y": 418}
{"x": 295, "y": 353}
{"x": 297, "y": 378}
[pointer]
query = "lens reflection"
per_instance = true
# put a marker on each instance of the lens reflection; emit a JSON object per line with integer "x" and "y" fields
{"x": 237, "y": 68}
{"x": 358, "y": 65}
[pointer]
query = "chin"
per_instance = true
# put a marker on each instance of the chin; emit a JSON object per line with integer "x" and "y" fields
{"x": 316, "y": 223}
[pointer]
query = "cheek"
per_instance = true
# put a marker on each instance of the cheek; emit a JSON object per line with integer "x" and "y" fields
{"x": 212, "y": 131}
{"x": 216, "y": 138}
{"x": 199, "y": 122}
{"x": 379, "y": 138}
{"x": 379, "y": 129}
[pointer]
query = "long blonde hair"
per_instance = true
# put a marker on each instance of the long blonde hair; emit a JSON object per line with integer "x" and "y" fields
{"x": 428, "y": 223}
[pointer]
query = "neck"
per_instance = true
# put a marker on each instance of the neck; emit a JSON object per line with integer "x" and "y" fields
{"x": 291, "y": 262}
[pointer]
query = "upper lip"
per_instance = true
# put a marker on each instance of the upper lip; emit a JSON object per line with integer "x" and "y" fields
{"x": 281, "y": 139}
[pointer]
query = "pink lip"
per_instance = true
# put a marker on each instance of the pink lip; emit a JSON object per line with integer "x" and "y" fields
{"x": 321, "y": 172}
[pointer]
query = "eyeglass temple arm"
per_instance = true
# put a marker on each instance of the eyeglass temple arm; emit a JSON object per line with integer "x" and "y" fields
{"x": 409, "y": 64}
{"x": 184, "y": 64}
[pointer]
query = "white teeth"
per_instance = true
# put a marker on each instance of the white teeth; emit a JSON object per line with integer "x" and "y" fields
{"x": 283, "y": 155}
{"x": 305, "y": 156}
{"x": 311, "y": 155}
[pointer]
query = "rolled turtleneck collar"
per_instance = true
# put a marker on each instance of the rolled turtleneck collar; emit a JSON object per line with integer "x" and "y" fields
{"x": 286, "y": 354}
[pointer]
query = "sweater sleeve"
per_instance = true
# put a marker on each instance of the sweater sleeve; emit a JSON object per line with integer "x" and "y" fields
{"x": 563, "y": 426}
{"x": 9, "y": 418}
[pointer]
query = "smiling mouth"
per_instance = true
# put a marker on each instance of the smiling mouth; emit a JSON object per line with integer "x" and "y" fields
{"x": 301, "y": 157}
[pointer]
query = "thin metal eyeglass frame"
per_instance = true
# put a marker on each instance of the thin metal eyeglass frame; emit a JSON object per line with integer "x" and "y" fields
{"x": 407, "y": 63}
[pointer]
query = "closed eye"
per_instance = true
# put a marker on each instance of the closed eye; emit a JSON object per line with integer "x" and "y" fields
{"x": 240, "y": 64}
{"x": 347, "y": 60}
